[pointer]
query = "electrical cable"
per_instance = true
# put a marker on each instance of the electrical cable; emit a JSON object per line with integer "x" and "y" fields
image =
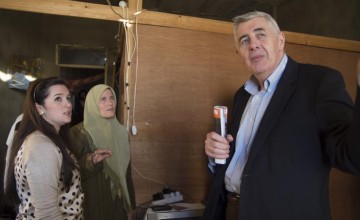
{"x": 128, "y": 59}
{"x": 117, "y": 37}
{"x": 163, "y": 184}
{"x": 108, "y": 2}
{"x": 129, "y": 55}
{"x": 134, "y": 130}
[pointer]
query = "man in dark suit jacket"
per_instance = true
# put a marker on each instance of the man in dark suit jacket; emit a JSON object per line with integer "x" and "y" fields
{"x": 290, "y": 124}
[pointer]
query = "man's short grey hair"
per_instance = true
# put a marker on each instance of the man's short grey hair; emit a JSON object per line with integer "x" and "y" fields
{"x": 255, "y": 14}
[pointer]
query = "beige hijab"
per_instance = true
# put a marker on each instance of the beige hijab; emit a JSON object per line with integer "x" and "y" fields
{"x": 110, "y": 134}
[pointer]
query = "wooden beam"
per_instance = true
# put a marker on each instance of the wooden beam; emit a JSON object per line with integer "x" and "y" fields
{"x": 103, "y": 12}
{"x": 62, "y": 7}
{"x": 323, "y": 42}
{"x": 185, "y": 22}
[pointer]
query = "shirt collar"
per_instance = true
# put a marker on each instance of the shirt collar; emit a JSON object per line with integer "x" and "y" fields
{"x": 251, "y": 86}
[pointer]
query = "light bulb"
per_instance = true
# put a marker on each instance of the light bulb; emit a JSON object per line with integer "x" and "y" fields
{"x": 123, "y": 4}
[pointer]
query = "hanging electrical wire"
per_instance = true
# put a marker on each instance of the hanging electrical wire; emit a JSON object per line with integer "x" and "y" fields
{"x": 109, "y": 3}
{"x": 129, "y": 54}
{"x": 133, "y": 127}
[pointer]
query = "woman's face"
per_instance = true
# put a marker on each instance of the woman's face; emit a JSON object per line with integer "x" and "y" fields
{"x": 57, "y": 107}
{"x": 107, "y": 104}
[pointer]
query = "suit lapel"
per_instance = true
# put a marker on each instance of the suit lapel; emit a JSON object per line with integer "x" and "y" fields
{"x": 243, "y": 98}
{"x": 282, "y": 94}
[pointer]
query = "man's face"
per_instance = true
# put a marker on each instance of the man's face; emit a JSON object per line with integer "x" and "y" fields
{"x": 259, "y": 46}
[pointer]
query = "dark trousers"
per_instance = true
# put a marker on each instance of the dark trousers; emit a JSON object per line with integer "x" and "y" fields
{"x": 232, "y": 208}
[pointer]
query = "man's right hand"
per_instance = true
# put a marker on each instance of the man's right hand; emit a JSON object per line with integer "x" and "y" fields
{"x": 217, "y": 146}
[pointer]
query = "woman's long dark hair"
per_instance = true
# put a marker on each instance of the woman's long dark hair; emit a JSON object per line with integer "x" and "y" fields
{"x": 37, "y": 92}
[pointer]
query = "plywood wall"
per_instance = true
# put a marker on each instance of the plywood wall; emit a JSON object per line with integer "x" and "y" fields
{"x": 182, "y": 74}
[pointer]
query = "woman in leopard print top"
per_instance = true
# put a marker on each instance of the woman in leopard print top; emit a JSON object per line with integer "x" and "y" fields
{"x": 43, "y": 176}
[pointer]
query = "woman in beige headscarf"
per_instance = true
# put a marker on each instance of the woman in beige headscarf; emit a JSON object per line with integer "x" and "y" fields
{"x": 108, "y": 187}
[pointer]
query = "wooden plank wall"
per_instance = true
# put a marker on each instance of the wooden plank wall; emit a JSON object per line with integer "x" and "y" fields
{"x": 182, "y": 74}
